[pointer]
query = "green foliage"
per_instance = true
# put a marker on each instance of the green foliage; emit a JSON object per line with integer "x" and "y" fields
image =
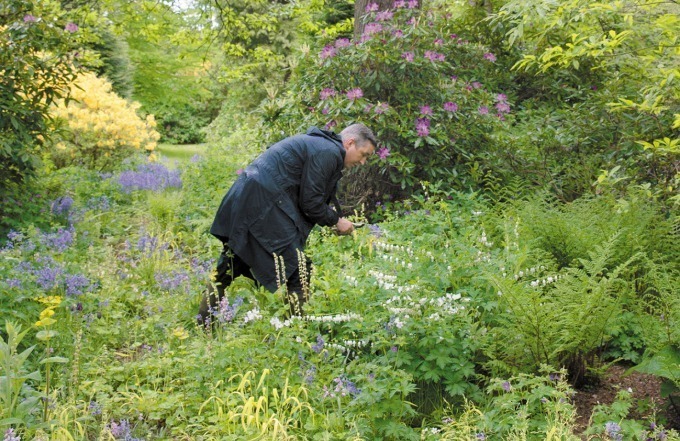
{"x": 37, "y": 59}
{"x": 614, "y": 48}
{"x": 19, "y": 400}
{"x": 114, "y": 60}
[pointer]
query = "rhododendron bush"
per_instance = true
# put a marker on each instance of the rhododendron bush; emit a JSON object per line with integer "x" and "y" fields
{"x": 100, "y": 127}
{"x": 416, "y": 82}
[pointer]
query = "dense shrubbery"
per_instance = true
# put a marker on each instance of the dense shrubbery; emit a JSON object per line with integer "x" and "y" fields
{"x": 101, "y": 128}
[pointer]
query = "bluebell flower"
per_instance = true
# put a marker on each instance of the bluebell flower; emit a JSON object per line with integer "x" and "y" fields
{"x": 76, "y": 284}
{"x": 151, "y": 176}
{"x": 59, "y": 240}
{"x": 318, "y": 347}
{"x": 62, "y": 206}
{"x": 613, "y": 430}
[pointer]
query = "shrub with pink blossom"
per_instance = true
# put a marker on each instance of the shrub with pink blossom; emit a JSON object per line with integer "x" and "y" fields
{"x": 411, "y": 79}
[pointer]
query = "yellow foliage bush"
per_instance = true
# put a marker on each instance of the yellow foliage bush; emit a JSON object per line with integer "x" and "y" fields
{"x": 99, "y": 127}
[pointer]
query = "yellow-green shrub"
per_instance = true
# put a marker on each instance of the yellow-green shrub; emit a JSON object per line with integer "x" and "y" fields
{"x": 99, "y": 127}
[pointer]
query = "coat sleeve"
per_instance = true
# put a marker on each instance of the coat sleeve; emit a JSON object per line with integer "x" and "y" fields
{"x": 317, "y": 174}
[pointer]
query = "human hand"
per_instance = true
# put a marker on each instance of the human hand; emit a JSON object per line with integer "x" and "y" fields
{"x": 344, "y": 226}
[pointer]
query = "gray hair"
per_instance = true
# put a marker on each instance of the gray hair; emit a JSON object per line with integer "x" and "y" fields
{"x": 360, "y": 133}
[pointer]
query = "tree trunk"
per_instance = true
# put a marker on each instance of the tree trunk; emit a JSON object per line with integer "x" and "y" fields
{"x": 360, "y": 11}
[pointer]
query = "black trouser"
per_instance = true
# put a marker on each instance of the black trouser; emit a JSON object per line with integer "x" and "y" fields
{"x": 230, "y": 266}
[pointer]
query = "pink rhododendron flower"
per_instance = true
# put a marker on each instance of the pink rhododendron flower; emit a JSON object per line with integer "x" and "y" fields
{"x": 489, "y": 56}
{"x": 384, "y": 15}
{"x": 383, "y": 153}
{"x": 327, "y": 52}
{"x": 408, "y": 56}
{"x": 372, "y": 28}
{"x": 434, "y": 56}
{"x": 326, "y": 93}
{"x": 503, "y": 107}
{"x": 451, "y": 106}
{"x": 342, "y": 42}
{"x": 28, "y": 18}
{"x": 483, "y": 110}
{"x": 71, "y": 27}
{"x": 382, "y": 108}
{"x": 372, "y": 7}
{"x": 423, "y": 127}
{"x": 354, "y": 94}
{"x": 425, "y": 110}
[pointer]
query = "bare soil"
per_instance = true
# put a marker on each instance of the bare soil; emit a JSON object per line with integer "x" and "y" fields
{"x": 647, "y": 398}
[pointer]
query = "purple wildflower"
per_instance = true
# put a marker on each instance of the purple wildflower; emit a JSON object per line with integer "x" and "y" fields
{"x": 501, "y": 97}
{"x": 326, "y": 93}
{"x": 71, "y": 27}
{"x": 121, "y": 430}
{"x": 394, "y": 349}
{"x": 318, "y": 346}
{"x": 480, "y": 436}
{"x": 438, "y": 42}
{"x": 226, "y": 312}
{"x": 450, "y": 106}
{"x": 368, "y": 108}
{"x": 75, "y": 284}
{"x": 398, "y": 4}
{"x": 506, "y": 386}
{"x": 11, "y": 436}
{"x": 62, "y": 205}
{"x": 150, "y": 176}
{"x": 425, "y": 110}
{"x": 476, "y": 85}
{"x": 411, "y": 21}
{"x": 342, "y": 42}
{"x": 28, "y": 18}
{"x": 408, "y": 56}
{"x": 398, "y": 33}
{"x": 172, "y": 280}
{"x": 309, "y": 375}
{"x": 325, "y": 110}
{"x": 613, "y": 430}
{"x": 330, "y": 124}
{"x": 375, "y": 230}
{"x": 95, "y": 408}
{"x": 13, "y": 283}
{"x": 59, "y": 240}
{"x": 489, "y": 56}
{"x": 239, "y": 171}
{"x": 354, "y": 94}
{"x": 423, "y": 127}
{"x": 483, "y": 110}
{"x": 327, "y": 52}
{"x": 383, "y": 153}
{"x": 412, "y": 4}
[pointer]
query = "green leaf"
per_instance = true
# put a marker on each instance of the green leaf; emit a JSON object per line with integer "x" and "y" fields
{"x": 54, "y": 360}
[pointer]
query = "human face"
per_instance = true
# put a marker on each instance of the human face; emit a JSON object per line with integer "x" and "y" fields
{"x": 356, "y": 154}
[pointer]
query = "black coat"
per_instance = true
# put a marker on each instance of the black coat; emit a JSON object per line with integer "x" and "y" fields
{"x": 277, "y": 200}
